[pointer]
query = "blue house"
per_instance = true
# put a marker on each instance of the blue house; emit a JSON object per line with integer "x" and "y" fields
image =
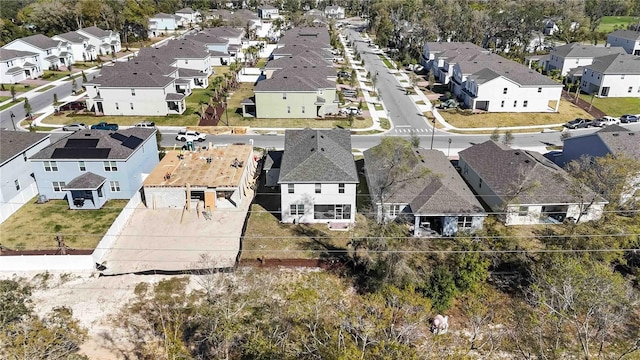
{"x": 91, "y": 167}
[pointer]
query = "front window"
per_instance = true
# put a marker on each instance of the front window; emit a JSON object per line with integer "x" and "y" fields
{"x": 82, "y": 166}
{"x": 394, "y": 210}
{"x": 288, "y": 109}
{"x": 17, "y": 184}
{"x": 539, "y": 90}
{"x": 131, "y": 105}
{"x": 465, "y": 221}
{"x": 332, "y": 212}
{"x": 318, "y": 188}
{"x": 50, "y": 166}
{"x": 284, "y": 96}
{"x": 114, "y": 185}
{"x": 58, "y": 185}
{"x": 523, "y": 211}
{"x": 297, "y": 209}
{"x": 290, "y": 188}
{"x": 504, "y": 91}
{"x": 525, "y": 103}
{"x": 110, "y": 166}
{"x": 340, "y": 188}
{"x": 133, "y": 92}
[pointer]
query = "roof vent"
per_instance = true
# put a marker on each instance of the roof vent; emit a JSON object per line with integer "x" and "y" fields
{"x": 615, "y": 134}
{"x": 285, "y": 77}
{"x": 527, "y": 161}
{"x": 313, "y": 136}
{"x": 321, "y": 136}
{"x": 631, "y": 134}
{"x": 517, "y": 152}
{"x": 312, "y": 149}
{"x": 87, "y": 134}
{"x": 321, "y": 149}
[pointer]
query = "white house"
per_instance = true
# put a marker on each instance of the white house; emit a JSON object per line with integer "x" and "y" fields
{"x": 193, "y": 61}
{"x": 17, "y": 185}
{"x": 137, "y": 88}
{"x": 51, "y": 52}
{"x": 627, "y": 39}
{"x": 81, "y": 49}
{"x": 267, "y": 12}
{"x": 616, "y": 75}
{"x": 189, "y": 15}
{"x": 524, "y": 187}
{"x": 164, "y": 24}
{"x": 439, "y": 57}
{"x": 105, "y": 41}
{"x": 334, "y": 12}
{"x": 570, "y": 56}
{"x": 16, "y": 66}
{"x": 318, "y": 177}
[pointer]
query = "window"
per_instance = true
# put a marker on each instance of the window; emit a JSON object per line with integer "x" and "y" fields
{"x": 465, "y": 221}
{"x": 58, "y": 185}
{"x": 110, "y": 166}
{"x": 480, "y": 183}
{"x": 24, "y": 156}
{"x": 186, "y": 61}
{"x": 515, "y": 103}
{"x": 114, "y": 185}
{"x": 622, "y": 77}
{"x": 117, "y": 107}
{"x": 502, "y": 103}
{"x": 394, "y": 210}
{"x": 318, "y": 188}
{"x": 284, "y": 96}
{"x": 288, "y": 109}
{"x": 303, "y": 107}
{"x": 82, "y": 166}
{"x": 296, "y": 209}
{"x": 504, "y": 91}
{"x": 525, "y": 103}
{"x": 630, "y": 89}
{"x": 50, "y": 166}
{"x": 539, "y": 90}
{"x": 332, "y": 212}
{"x": 131, "y": 105}
{"x": 100, "y": 194}
{"x": 577, "y": 61}
{"x": 133, "y": 92}
{"x": 16, "y": 182}
{"x": 523, "y": 211}
{"x": 340, "y": 188}
{"x": 290, "y": 190}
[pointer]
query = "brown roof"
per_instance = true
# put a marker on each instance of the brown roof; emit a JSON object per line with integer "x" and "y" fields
{"x": 13, "y": 143}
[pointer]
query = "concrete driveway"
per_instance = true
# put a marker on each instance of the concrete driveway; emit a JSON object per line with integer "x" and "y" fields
{"x": 167, "y": 240}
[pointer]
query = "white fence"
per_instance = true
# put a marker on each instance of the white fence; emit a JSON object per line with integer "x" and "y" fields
{"x": 112, "y": 234}
{"x": 7, "y": 209}
{"x": 46, "y": 262}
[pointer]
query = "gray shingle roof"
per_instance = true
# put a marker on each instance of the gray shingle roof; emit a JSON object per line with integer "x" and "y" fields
{"x": 585, "y": 51}
{"x": 616, "y": 64}
{"x": 9, "y": 54}
{"x": 296, "y": 79}
{"x": 486, "y": 66}
{"x": 73, "y": 37}
{"x": 96, "y": 31}
{"x": 186, "y": 10}
{"x": 273, "y": 160}
{"x": 86, "y": 181}
{"x": 433, "y": 185}
{"x": 621, "y": 141}
{"x": 267, "y": 7}
{"x": 204, "y": 38}
{"x": 626, "y": 34}
{"x": 113, "y": 142}
{"x": 40, "y": 41}
{"x": 520, "y": 176}
{"x": 223, "y": 32}
{"x": 135, "y": 74}
{"x": 174, "y": 97}
{"x": 13, "y": 143}
{"x": 317, "y": 156}
{"x": 166, "y": 16}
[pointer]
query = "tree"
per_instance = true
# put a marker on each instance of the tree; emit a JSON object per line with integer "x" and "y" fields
{"x": 507, "y": 138}
{"x": 13, "y": 93}
{"x": 432, "y": 80}
{"x": 27, "y": 106}
{"x": 441, "y": 288}
{"x": 55, "y": 99}
{"x": 495, "y": 135}
{"x": 14, "y": 301}
{"x": 84, "y": 77}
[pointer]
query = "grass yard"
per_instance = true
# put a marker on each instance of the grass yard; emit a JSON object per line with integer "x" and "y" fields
{"x": 10, "y": 104}
{"x": 188, "y": 119}
{"x": 567, "y": 111}
{"x": 385, "y": 124}
{"x": 615, "y": 106}
{"x": 378, "y": 106}
{"x": 18, "y": 87}
{"x": 35, "y": 226}
{"x": 54, "y": 75}
{"x": 386, "y": 62}
{"x": 610, "y": 23}
{"x": 4, "y": 98}
{"x": 48, "y": 87}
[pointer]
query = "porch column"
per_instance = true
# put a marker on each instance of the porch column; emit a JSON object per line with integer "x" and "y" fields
{"x": 416, "y": 225}
{"x": 558, "y": 104}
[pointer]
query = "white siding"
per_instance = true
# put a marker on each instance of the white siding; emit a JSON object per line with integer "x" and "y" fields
{"x": 515, "y": 97}
{"x": 305, "y": 194}
{"x": 619, "y": 85}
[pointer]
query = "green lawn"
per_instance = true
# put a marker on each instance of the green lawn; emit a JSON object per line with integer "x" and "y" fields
{"x": 4, "y": 98}
{"x": 18, "y": 87}
{"x": 45, "y": 88}
{"x": 187, "y": 119}
{"x": 385, "y": 124}
{"x": 615, "y": 106}
{"x": 54, "y": 75}
{"x": 386, "y": 62}
{"x": 8, "y": 105}
{"x": 610, "y": 23}
{"x": 34, "y": 226}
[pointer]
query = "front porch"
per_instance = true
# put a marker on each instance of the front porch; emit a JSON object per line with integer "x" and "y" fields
{"x": 86, "y": 192}
{"x": 175, "y": 103}
{"x": 445, "y": 225}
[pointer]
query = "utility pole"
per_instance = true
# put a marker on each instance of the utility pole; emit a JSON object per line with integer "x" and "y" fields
{"x": 12, "y": 120}
{"x": 433, "y": 131}
{"x": 449, "y": 147}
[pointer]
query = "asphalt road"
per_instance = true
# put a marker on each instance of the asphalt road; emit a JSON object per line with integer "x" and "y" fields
{"x": 39, "y": 101}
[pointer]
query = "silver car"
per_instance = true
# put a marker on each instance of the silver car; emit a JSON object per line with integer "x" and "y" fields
{"x": 74, "y": 127}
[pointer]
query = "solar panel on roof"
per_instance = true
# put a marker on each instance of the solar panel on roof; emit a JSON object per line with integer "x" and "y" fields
{"x": 132, "y": 142}
{"x": 77, "y": 153}
{"x": 119, "y": 136}
{"x": 81, "y": 143}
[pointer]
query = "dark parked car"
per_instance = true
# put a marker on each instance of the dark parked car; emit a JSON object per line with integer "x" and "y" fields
{"x": 74, "y": 105}
{"x": 578, "y": 124}
{"x": 344, "y": 74}
{"x": 628, "y": 118}
{"x": 104, "y": 126}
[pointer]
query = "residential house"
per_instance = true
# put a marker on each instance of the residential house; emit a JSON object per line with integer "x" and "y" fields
{"x": 81, "y": 49}
{"x": 612, "y": 140}
{"x": 52, "y": 54}
{"x": 192, "y": 60}
{"x": 334, "y": 12}
{"x": 616, "y": 75}
{"x": 90, "y": 167}
{"x": 430, "y": 58}
{"x": 138, "y": 88}
{"x": 266, "y": 12}
{"x": 566, "y": 57}
{"x": 430, "y": 194}
{"x": 17, "y": 185}
{"x": 164, "y": 24}
{"x": 629, "y": 40}
{"x": 189, "y": 15}
{"x": 213, "y": 177}
{"x": 271, "y": 167}
{"x": 318, "y": 177}
{"x": 524, "y": 187}
{"x": 105, "y": 41}
{"x": 17, "y": 65}
{"x": 235, "y": 37}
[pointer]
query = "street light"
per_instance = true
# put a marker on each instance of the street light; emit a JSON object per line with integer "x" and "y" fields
{"x": 449, "y": 147}
{"x": 12, "y": 122}
{"x": 226, "y": 109}
{"x": 433, "y": 131}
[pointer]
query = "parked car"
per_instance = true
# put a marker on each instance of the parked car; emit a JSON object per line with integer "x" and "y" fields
{"x": 184, "y": 135}
{"x": 74, "y": 127}
{"x": 349, "y": 92}
{"x": 351, "y": 111}
{"x": 578, "y": 124}
{"x": 344, "y": 74}
{"x": 146, "y": 124}
{"x": 628, "y": 118}
{"x": 74, "y": 105}
{"x": 606, "y": 121}
{"x": 104, "y": 126}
